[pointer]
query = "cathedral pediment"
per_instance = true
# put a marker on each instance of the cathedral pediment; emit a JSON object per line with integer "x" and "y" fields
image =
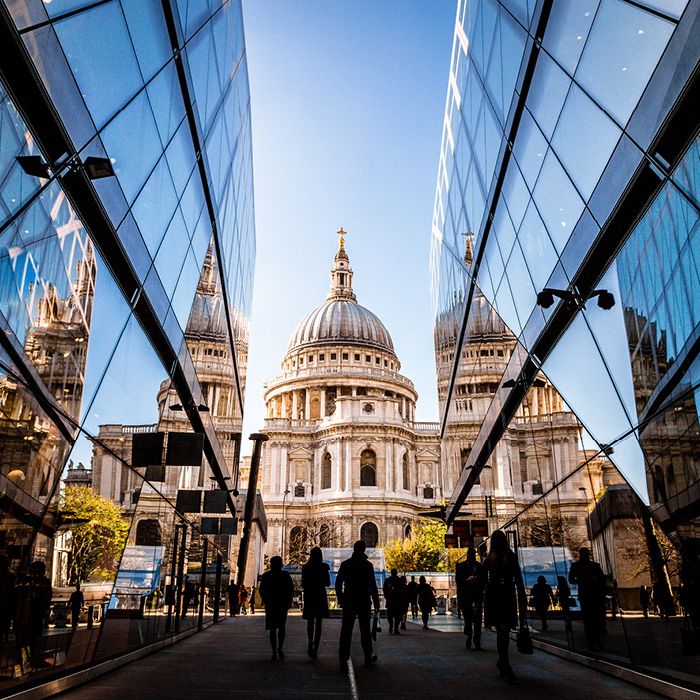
{"x": 300, "y": 452}
{"x": 427, "y": 453}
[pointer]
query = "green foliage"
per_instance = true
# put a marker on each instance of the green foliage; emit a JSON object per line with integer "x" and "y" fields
{"x": 97, "y": 544}
{"x": 423, "y": 551}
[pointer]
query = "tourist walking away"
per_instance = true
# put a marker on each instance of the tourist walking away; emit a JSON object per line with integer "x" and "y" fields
{"x": 392, "y": 600}
{"x": 75, "y": 603}
{"x": 232, "y": 598}
{"x": 277, "y": 593}
{"x": 542, "y": 599}
{"x": 252, "y": 600}
{"x": 644, "y": 600}
{"x": 7, "y": 597}
{"x": 315, "y": 578}
{"x": 413, "y": 597}
{"x": 33, "y": 600}
{"x": 590, "y": 579}
{"x": 504, "y": 597}
{"x": 469, "y": 597}
{"x": 404, "y": 602}
{"x": 243, "y": 599}
{"x": 356, "y": 590}
{"x": 426, "y": 600}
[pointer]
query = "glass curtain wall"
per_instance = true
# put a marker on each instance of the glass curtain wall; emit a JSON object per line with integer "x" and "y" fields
{"x": 127, "y": 249}
{"x": 565, "y": 270}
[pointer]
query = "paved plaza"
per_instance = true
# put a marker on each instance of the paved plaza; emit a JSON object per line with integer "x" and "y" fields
{"x": 232, "y": 659}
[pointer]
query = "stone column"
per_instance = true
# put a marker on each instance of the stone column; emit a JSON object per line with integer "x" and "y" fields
{"x": 348, "y": 465}
{"x": 335, "y": 473}
{"x": 403, "y": 408}
{"x": 307, "y": 405}
{"x": 389, "y": 468}
{"x": 284, "y": 406}
{"x": 323, "y": 402}
{"x": 284, "y": 469}
{"x": 295, "y": 404}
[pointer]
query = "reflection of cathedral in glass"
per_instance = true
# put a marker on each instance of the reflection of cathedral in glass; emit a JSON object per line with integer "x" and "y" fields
{"x": 540, "y": 447}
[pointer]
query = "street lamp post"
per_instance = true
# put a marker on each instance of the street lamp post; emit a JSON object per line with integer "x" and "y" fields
{"x": 284, "y": 519}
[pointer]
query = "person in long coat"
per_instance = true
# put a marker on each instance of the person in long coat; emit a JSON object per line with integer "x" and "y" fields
{"x": 315, "y": 578}
{"x": 590, "y": 579}
{"x": 542, "y": 599}
{"x": 504, "y": 597}
{"x": 426, "y": 600}
{"x": 277, "y": 593}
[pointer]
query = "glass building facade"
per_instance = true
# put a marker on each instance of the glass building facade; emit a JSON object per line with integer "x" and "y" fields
{"x": 570, "y": 161}
{"x": 127, "y": 248}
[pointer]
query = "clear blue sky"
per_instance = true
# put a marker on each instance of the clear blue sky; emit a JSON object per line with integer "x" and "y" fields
{"x": 347, "y": 106}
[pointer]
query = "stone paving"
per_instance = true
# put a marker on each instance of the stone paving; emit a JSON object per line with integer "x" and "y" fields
{"x": 232, "y": 659}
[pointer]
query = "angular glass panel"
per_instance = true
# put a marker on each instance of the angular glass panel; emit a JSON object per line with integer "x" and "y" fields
{"x": 149, "y": 34}
{"x": 622, "y": 51}
{"x": 567, "y": 31}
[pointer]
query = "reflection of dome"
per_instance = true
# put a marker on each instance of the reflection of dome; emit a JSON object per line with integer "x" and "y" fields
{"x": 483, "y": 319}
{"x": 207, "y": 315}
{"x": 341, "y": 322}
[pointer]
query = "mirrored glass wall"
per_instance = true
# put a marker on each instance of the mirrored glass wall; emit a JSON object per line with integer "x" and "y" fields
{"x": 565, "y": 283}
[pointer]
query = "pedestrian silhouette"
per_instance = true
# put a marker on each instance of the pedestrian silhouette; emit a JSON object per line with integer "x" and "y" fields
{"x": 426, "y": 600}
{"x": 413, "y": 597}
{"x": 590, "y": 579}
{"x": 356, "y": 590}
{"x": 33, "y": 600}
{"x": 469, "y": 597}
{"x": 644, "y": 600}
{"x": 504, "y": 597}
{"x": 404, "y": 601}
{"x": 315, "y": 578}
{"x": 7, "y": 597}
{"x": 542, "y": 598}
{"x": 393, "y": 602}
{"x": 232, "y": 598}
{"x": 243, "y": 599}
{"x": 277, "y": 593}
{"x": 75, "y": 603}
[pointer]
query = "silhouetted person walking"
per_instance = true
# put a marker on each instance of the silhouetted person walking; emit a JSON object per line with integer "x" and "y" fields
{"x": 232, "y": 594}
{"x": 392, "y": 600}
{"x": 356, "y": 589}
{"x": 33, "y": 600}
{"x": 504, "y": 596}
{"x": 590, "y": 579}
{"x": 413, "y": 597}
{"x": 243, "y": 599}
{"x": 277, "y": 593}
{"x": 7, "y": 597}
{"x": 426, "y": 600}
{"x": 542, "y": 599}
{"x": 644, "y": 600}
{"x": 315, "y": 578}
{"x": 75, "y": 603}
{"x": 469, "y": 597}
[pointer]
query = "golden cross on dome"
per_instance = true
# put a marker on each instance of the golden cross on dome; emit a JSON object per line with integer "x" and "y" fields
{"x": 342, "y": 234}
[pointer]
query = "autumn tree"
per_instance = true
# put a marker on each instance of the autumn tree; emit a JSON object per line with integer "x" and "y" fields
{"x": 544, "y": 526}
{"x": 424, "y": 550}
{"x": 98, "y": 536}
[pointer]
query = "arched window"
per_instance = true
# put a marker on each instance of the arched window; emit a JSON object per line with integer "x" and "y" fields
{"x": 148, "y": 533}
{"x": 428, "y": 493}
{"x": 404, "y": 466}
{"x": 368, "y": 468}
{"x": 326, "y": 470}
{"x": 299, "y": 491}
{"x": 407, "y": 530}
{"x": 325, "y": 536}
{"x": 369, "y": 534}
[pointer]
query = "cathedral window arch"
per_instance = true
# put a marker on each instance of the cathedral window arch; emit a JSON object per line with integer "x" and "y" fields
{"x": 369, "y": 534}
{"x": 404, "y": 472}
{"x": 368, "y": 468}
{"x": 326, "y": 471}
{"x": 148, "y": 533}
{"x": 429, "y": 493}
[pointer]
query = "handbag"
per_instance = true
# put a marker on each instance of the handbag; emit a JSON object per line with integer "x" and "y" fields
{"x": 524, "y": 641}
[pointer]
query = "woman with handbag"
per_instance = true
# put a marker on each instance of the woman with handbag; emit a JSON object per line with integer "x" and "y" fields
{"x": 505, "y": 600}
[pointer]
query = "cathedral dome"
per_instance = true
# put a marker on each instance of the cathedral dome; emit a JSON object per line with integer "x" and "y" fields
{"x": 341, "y": 322}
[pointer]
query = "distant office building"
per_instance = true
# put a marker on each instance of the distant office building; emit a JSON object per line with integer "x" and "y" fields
{"x": 126, "y": 266}
{"x": 570, "y": 161}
